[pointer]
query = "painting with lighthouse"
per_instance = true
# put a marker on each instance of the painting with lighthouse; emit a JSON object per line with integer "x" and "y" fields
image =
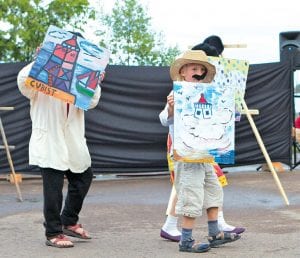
{"x": 68, "y": 67}
{"x": 204, "y": 119}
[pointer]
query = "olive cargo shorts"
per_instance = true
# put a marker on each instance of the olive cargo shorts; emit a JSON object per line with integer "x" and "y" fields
{"x": 197, "y": 187}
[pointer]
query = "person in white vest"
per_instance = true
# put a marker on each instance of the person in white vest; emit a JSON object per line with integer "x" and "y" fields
{"x": 58, "y": 147}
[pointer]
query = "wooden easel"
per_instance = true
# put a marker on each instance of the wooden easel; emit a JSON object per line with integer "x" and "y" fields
{"x": 248, "y": 113}
{"x": 7, "y": 148}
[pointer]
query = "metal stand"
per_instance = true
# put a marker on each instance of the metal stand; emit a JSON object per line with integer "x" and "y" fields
{"x": 296, "y": 146}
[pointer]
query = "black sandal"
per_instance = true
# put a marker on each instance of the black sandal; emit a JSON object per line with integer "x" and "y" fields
{"x": 222, "y": 238}
{"x": 190, "y": 246}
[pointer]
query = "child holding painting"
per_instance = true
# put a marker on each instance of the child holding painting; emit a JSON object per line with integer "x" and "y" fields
{"x": 58, "y": 147}
{"x": 196, "y": 184}
{"x": 212, "y": 46}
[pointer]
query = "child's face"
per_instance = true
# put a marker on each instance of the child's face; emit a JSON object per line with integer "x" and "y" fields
{"x": 189, "y": 70}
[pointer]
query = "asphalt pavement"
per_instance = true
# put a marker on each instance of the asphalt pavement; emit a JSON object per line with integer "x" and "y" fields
{"x": 124, "y": 215}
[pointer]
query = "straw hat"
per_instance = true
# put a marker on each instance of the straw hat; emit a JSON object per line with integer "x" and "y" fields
{"x": 192, "y": 57}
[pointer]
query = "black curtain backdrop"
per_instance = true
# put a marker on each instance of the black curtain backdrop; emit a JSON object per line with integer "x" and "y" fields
{"x": 124, "y": 132}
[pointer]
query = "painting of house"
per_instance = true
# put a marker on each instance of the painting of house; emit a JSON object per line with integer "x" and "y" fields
{"x": 204, "y": 119}
{"x": 202, "y": 108}
{"x": 68, "y": 67}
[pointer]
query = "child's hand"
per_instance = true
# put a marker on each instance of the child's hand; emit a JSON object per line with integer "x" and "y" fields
{"x": 170, "y": 101}
{"x": 37, "y": 51}
{"x": 102, "y": 76}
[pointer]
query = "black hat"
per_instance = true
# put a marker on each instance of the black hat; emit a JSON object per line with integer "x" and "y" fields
{"x": 208, "y": 49}
{"x": 216, "y": 42}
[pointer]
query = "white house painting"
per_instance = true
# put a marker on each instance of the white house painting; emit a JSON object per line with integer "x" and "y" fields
{"x": 204, "y": 118}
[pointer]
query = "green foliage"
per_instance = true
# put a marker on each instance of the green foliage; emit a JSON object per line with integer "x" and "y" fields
{"x": 131, "y": 40}
{"x": 25, "y": 22}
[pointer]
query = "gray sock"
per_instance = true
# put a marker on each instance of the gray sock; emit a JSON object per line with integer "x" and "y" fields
{"x": 213, "y": 228}
{"x": 186, "y": 234}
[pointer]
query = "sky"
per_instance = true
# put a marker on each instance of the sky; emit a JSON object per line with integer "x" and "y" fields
{"x": 256, "y": 23}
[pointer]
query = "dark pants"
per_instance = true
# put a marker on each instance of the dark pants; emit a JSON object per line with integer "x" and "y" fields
{"x": 53, "y": 182}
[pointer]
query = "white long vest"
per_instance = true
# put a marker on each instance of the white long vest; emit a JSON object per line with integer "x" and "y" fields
{"x": 57, "y": 139}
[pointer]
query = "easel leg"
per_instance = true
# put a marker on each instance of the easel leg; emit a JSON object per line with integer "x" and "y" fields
{"x": 10, "y": 160}
{"x": 264, "y": 151}
{"x": 171, "y": 200}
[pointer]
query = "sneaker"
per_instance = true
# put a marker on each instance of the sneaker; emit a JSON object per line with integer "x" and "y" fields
{"x": 222, "y": 238}
{"x": 167, "y": 236}
{"x": 190, "y": 246}
{"x": 235, "y": 230}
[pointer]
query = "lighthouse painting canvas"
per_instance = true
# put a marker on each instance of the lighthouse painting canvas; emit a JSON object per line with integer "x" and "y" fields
{"x": 204, "y": 118}
{"x": 68, "y": 67}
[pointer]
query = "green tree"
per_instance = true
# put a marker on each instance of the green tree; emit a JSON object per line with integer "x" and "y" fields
{"x": 130, "y": 38}
{"x": 25, "y": 22}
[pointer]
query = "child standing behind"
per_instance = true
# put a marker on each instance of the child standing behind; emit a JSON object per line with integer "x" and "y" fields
{"x": 196, "y": 184}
